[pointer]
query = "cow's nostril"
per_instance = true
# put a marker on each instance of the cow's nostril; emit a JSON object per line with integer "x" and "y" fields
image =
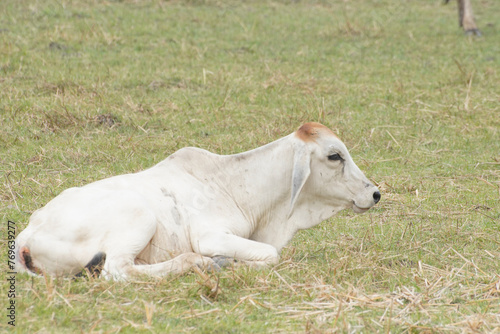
{"x": 376, "y": 196}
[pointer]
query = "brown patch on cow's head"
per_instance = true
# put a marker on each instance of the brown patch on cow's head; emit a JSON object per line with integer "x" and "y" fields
{"x": 310, "y": 131}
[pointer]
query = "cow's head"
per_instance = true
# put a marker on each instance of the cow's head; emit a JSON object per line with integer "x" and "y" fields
{"x": 325, "y": 170}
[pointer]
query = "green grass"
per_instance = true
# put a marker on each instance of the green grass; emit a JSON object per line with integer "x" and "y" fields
{"x": 90, "y": 89}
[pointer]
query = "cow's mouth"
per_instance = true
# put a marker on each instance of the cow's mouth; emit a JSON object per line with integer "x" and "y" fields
{"x": 359, "y": 209}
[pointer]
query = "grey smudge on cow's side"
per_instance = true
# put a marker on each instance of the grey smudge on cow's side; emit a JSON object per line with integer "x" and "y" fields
{"x": 176, "y": 215}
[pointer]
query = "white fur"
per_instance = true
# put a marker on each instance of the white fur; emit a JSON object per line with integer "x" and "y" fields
{"x": 196, "y": 205}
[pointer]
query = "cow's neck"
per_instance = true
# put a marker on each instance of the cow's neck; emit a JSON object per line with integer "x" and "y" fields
{"x": 261, "y": 187}
{"x": 261, "y": 178}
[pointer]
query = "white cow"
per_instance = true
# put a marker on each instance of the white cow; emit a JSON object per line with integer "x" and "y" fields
{"x": 196, "y": 206}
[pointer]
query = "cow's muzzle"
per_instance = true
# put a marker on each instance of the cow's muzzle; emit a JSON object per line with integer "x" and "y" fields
{"x": 358, "y": 208}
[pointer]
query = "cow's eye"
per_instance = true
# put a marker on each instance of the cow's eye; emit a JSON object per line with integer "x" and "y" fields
{"x": 335, "y": 157}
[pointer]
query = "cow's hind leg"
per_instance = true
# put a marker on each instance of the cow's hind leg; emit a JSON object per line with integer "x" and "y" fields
{"x": 178, "y": 265}
{"x": 122, "y": 267}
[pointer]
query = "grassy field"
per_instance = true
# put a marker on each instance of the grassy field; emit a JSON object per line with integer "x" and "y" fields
{"x": 90, "y": 89}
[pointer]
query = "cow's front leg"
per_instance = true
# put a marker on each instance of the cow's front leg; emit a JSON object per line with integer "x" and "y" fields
{"x": 250, "y": 252}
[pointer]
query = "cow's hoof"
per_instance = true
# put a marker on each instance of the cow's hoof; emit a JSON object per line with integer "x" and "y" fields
{"x": 473, "y": 32}
{"x": 213, "y": 267}
{"x": 210, "y": 267}
{"x": 224, "y": 261}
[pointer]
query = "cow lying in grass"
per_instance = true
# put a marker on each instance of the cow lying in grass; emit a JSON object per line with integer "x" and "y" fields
{"x": 196, "y": 207}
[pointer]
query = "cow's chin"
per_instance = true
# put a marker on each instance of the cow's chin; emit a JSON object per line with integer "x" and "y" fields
{"x": 358, "y": 209}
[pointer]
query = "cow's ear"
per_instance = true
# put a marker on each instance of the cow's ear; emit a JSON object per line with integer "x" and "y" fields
{"x": 300, "y": 173}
